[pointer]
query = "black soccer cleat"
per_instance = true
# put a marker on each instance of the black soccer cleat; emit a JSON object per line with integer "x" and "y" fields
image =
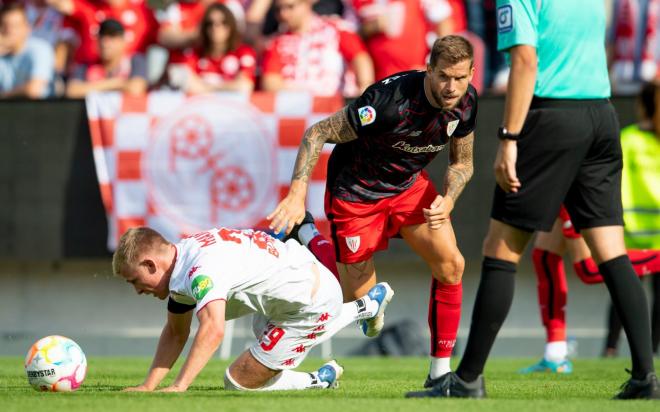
{"x": 640, "y": 389}
{"x": 450, "y": 385}
{"x": 294, "y": 231}
{"x": 430, "y": 382}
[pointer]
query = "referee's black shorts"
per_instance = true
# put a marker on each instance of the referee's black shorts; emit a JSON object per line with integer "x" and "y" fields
{"x": 569, "y": 152}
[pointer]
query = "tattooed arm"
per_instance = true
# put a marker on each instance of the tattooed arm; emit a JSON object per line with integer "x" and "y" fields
{"x": 458, "y": 174}
{"x": 334, "y": 129}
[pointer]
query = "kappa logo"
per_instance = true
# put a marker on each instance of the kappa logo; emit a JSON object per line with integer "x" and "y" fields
{"x": 504, "y": 19}
{"x": 353, "y": 243}
{"x": 451, "y": 127}
{"x": 367, "y": 115}
{"x": 192, "y": 271}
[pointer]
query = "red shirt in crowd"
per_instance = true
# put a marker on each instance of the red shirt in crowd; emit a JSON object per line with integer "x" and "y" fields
{"x": 218, "y": 70}
{"x": 403, "y": 47}
{"x": 138, "y": 20}
{"x": 130, "y": 66}
{"x": 188, "y": 15}
{"x": 315, "y": 60}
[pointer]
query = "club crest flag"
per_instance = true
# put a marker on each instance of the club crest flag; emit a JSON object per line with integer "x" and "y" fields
{"x": 183, "y": 164}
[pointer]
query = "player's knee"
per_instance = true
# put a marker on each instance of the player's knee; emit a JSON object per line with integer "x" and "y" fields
{"x": 450, "y": 271}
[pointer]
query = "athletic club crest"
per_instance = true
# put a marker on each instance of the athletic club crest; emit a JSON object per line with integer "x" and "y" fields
{"x": 451, "y": 126}
{"x": 353, "y": 243}
{"x": 211, "y": 164}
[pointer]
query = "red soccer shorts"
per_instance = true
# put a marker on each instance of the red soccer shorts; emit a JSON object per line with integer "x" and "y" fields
{"x": 359, "y": 229}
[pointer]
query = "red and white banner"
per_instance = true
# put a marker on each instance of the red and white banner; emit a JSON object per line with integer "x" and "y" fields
{"x": 182, "y": 164}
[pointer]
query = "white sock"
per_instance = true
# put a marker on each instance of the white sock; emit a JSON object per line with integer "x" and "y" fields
{"x": 439, "y": 367}
{"x": 556, "y": 351}
{"x": 288, "y": 380}
{"x": 307, "y": 232}
{"x": 363, "y": 308}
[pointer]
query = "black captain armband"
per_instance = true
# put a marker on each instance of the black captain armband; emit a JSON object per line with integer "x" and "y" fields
{"x": 504, "y": 134}
{"x": 178, "y": 308}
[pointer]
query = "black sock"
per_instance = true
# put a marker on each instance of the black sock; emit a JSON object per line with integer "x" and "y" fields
{"x": 613, "y": 329}
{"x": 491, "y": 306}
{"x": 655, "y": 317}
{"x": 630, "y": 301}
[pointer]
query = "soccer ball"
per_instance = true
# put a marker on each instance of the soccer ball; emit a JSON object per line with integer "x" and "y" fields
{"x": 55, "y": 364}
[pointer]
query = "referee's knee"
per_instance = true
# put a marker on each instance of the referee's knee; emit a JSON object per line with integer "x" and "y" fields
{"x": 450, "y": 270}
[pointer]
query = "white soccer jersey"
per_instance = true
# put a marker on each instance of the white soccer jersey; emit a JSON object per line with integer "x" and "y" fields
{"x": 250, "y": 270}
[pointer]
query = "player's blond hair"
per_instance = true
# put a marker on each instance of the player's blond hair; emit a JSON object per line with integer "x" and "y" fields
{"x": 132, "y": 244}
{"x": 452, "y": 49}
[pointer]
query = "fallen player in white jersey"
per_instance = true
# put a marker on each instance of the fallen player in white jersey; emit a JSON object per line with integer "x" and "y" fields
{"x": 223, "y": 274}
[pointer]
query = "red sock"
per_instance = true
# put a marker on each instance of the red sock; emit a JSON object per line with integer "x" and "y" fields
{"x": 587, "y": 271}
{"x": 444, "y": 317}
{"x": 645, "y": 262}
{"x": 552, "y": 289}
{"x": 324, "y": 251}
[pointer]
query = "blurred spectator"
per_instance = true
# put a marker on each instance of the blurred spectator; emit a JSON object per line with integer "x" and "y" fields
{"x": 313, "y": 52}
{"x": 396, "y": 31}
{"x": 85, "y": 16}
{"x": 114, "y": 70}
{"x": 482, "y": 21}
{"x": 261, "y": 16}
{"x": 221, "y": 62}
{"x": 179, "y": 24}
{"x": 633, "y": 39}
{"x": 26, "y": 63}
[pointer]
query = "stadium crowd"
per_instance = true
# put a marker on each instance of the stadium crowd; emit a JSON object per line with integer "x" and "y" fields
{"x": 54, "y": 48}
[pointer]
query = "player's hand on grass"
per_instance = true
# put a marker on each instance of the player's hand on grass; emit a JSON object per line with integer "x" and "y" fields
{"x": 438, "y": 213}
{"x": 505, "y": 166}
{"x": 172, "y": 389}
{"x": 289, "y": 212}
{"x": 139, "y": 388}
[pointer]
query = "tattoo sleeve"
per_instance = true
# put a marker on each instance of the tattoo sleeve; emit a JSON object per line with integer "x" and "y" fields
{"x": 334, "y": 129}
{"x": 460, "y": 168}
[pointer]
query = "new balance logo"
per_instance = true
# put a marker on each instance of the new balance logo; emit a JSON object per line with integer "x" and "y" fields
{"x": 415, "y": 133}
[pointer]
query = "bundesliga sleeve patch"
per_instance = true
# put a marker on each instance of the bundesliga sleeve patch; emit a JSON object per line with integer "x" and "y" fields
{"x": 367, "y": 115}
{"x": 504, "y": 19}
{"x": 201, "y": 285}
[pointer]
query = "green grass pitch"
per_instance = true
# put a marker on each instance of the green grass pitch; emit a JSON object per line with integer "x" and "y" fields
{"x": 368, "y": 385}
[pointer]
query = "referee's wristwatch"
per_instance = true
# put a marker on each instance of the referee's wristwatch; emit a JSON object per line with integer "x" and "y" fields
{"x": 504, "y": 134}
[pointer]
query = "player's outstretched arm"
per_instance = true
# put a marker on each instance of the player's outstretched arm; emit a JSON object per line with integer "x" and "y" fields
{"x": 459, "y": 173}
{"x": 207, "y": 340}
{"x": 172, "y": 340}
{"x": 334, "y": 129}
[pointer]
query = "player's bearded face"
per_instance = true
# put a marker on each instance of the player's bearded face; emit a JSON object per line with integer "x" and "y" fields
{"x": 449, "y": 82}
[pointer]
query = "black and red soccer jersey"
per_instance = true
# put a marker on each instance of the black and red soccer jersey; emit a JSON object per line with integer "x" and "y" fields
{"x": 399, "y": 133}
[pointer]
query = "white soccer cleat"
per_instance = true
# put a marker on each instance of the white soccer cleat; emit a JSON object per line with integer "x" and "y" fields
{"x": 381, "y": 293}
{"x": 330, "y": 373}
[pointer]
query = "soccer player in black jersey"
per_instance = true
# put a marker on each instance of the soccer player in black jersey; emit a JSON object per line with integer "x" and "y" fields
{"x": 377, "y": 188}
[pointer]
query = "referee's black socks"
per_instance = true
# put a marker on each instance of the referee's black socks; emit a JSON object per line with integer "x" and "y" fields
{"x": 491, "y": 306}
{"x": 629, "y": 300}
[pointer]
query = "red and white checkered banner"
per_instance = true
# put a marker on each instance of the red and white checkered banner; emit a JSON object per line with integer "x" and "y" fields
{"x": 182, "y": 164}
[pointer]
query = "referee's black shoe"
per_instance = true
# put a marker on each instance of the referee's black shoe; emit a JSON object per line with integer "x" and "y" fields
{"x": 294, "y": 231}
{"x": 450, "y": 385}
{"x": 647, "y": 388}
